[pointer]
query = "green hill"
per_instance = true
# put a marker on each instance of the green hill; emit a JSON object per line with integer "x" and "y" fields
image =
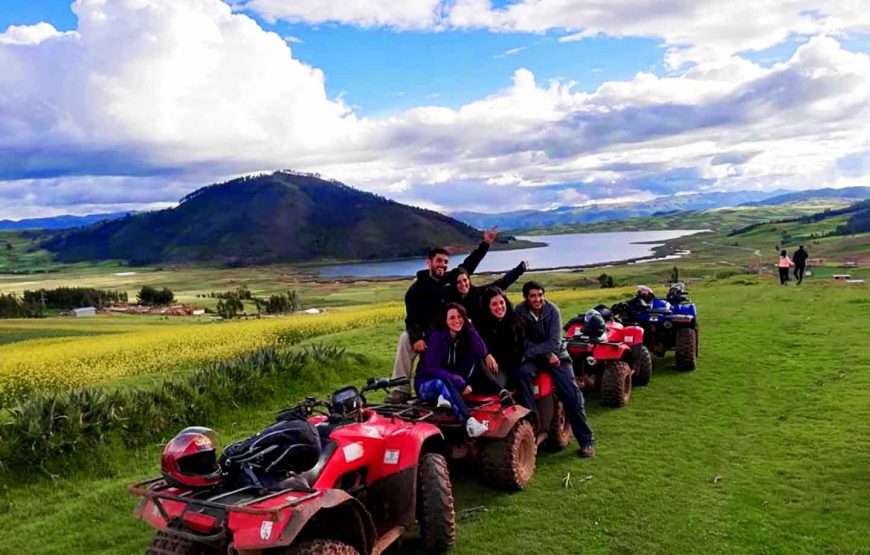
{"x": 280, "y": 217}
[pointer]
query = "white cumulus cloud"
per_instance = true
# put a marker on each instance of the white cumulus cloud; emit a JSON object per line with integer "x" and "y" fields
{"x": 148, "y": 99}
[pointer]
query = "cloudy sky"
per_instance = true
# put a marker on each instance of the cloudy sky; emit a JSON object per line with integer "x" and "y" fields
{"x": 453, "y": 104}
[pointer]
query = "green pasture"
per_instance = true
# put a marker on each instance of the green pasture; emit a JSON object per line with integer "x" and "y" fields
{"x": 763, "y": 449}
{"x": 721, "y": 220}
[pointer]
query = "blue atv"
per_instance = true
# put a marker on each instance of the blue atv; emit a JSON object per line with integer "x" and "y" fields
{"x": 669, "y": 324}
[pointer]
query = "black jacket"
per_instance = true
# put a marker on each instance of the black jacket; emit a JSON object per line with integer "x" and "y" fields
{"x": 426, "y": 295}
{"x": 473, "y": 300}
{"x": 800, "y": 257}
{"x": 504, "y": 340}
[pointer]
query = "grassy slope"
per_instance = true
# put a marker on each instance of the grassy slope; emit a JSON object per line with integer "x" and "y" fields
{"x": 721, "y": 219}
{"x": 763, "y": 449}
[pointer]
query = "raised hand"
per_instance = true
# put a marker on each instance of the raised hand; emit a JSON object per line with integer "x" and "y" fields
{"x": 490, "y": 235}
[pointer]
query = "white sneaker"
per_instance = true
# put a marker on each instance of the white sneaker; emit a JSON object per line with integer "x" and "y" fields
{"x": 443, "y": 403}
{"x": 475, "y": 427}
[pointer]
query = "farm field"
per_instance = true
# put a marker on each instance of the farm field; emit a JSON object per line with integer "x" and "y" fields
{"x": 763, "y": 449}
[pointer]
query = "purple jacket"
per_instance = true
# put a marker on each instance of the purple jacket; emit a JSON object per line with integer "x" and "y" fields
{"x": 441, "y": 351}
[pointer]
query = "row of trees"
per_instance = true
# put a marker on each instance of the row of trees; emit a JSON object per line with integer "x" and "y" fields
{"x": 67, "y": 298}
{"x": 230, "y": 304}
{"x": 11, "y": 306}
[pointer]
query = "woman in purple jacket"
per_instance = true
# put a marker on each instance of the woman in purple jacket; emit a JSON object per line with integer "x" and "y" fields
{"x": 456, "y": 363}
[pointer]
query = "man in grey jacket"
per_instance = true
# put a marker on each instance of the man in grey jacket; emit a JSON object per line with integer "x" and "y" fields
{"x": 544, "y": 350}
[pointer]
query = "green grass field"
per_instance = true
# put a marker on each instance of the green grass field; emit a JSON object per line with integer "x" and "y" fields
{"x": 763, "y": 449}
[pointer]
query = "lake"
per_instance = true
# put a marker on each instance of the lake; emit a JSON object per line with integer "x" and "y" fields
{"x": 574, "y": 249}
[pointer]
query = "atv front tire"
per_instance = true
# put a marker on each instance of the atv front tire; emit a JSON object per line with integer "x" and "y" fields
{"x": 559, "y": 434}
{"x": 169, "y": 544}
{"x": 643, "y": 365}
{"x": 435, "y": 512}
{"x": 686, "y": 349}
{"x": 616, "y": 383}
{"x": 509, "y": 463}
{"x": 322, "y": 547}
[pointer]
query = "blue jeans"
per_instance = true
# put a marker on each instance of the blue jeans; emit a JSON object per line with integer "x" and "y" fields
{"x": 566, "y": 390}
{"x": 431, "y": 389}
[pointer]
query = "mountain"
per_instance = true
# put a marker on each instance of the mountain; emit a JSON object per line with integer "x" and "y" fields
{"x": 280, "y": 217}
{"x": 846, "y": 193}
{"x": 60, "y": 222}
{"x": 567, "y": 215}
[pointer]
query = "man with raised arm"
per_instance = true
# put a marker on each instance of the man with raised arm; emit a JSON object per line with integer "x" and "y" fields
{"x": 423, "y": 300}
{"x": 545, "y": 351}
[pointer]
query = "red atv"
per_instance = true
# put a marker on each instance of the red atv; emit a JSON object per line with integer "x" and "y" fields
{"x": 507, "y": 452}
{"x": 608, "y": 356}
{"x": 372, "y": 478}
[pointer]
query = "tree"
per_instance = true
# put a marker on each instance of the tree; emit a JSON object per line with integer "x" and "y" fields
{"x": 151, "y": 296}
{"x": 230, "y": 307}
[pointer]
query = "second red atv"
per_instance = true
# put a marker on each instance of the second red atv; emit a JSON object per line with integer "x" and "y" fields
{"x": 607, "y": 356}
{"x": 507, "y": 452}
{"x": 372, "y": 479}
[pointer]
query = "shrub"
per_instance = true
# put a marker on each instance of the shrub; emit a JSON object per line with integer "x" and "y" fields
{"x": 43, "y": 429}
{"x": 606, "y": 281}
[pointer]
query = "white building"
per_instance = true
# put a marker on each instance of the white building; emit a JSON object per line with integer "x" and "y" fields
{"x": 83, "y": 312}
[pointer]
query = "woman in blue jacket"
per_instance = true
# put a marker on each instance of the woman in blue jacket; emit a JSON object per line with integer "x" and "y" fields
{"x": 456, "y": 363}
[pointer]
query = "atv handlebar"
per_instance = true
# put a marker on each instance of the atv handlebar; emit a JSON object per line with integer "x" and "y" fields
{"x": 306, "y": 408}
{"x": 384, "y": 383}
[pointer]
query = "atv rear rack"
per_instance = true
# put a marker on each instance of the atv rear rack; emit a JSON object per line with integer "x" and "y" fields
{"x": 154, "y": 490}
{"x": 410, "y": 413}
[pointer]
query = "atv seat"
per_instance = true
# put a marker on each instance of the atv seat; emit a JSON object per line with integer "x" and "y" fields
{"x": 327, "y": 448}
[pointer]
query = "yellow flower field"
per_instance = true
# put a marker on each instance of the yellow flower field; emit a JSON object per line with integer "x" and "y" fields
{"x": 153, "y": 349}
{"x": 131, "y": 346}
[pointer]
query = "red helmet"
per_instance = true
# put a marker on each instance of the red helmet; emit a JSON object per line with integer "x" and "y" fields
{"x": 190, "y": 459}
{"x": 645, "y": 293}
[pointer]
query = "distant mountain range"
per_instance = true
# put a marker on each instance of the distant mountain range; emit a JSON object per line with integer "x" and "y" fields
{"x": 846, "y": 193}
{"x": 568, "y": 215}
{"x": 281, "y": 217}
{"x": 61, "y": 222}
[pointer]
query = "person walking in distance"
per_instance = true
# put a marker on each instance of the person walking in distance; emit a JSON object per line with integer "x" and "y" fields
{"x": 800, "y": 263}
{"x": 545, "y": 352}
{"x": 784, "y": 264}
{"x": 423, "y": 300}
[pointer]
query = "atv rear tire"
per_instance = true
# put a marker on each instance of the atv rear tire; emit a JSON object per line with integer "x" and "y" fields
{"x": 686, "y": 349}
{"x": 559, "y": 434}
{"x": 435, "y": 511}
{"x": 170, "y": 544}
{"x": 322, "y": 547}
{"x": 643, "y": 365}
{"x": 616, "y": 383}
{"x": 509, "y": 463}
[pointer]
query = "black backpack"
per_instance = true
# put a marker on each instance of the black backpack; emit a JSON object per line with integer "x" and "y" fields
{"x": 289, "y": 446}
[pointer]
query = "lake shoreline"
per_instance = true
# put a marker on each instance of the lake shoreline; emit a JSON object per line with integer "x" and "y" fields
{"x": 662, "y": 249}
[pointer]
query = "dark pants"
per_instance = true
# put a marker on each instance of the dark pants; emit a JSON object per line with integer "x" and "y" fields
{"x": 799, "y": 272}
{"x": 478, "y": 376}
{"x": 783, "y": 275}
{"x": 566, "y": 390}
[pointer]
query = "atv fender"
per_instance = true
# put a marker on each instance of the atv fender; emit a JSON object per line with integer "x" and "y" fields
{"x": 318, "y": 518}
{"x": 501, "y": 424}
{"x": 606, "y": 351}
{"x": 403, "y": 448}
